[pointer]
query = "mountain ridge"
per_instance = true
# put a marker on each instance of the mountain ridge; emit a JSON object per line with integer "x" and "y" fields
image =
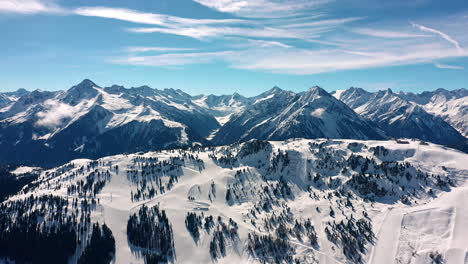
{"x": 172, "y": 118}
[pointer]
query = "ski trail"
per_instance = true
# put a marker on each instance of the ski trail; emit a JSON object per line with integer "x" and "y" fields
{"x": 458, "y": 248}
{"x": 387, "y": 238}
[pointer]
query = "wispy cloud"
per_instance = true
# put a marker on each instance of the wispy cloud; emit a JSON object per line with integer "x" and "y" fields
{"x": 284, "y": 36}
{"x": 386, "y": 34}
{"x": 29, "y": 7}
{"x": 147, "y": 18}
{"x": 257, "y": 43}
{"x": 200, "y": 32}
{"x": 324, "y": 22}
{"x": 194, "y": 28}
{"x": 440, "y": 33}
{"x": 262, "y": 8}
{"x": 329, "y": 60}
{"x": 445, "y": 66}
{"x": 173, "y": 59}
{"x": 121, "y": 14}
{"x": 156, "y": 49}
{"x": 302, "y": 61}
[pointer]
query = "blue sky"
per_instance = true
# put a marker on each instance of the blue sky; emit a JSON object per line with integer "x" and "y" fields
{"x": 226, "y": 46}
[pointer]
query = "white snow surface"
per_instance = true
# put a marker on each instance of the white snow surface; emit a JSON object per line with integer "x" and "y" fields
{"x": 405, "y": 233}
{"x": 453, "y": 110}
{"x": 24, "y": 169}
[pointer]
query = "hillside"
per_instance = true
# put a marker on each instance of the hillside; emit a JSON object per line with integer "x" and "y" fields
{"x": 306, "y": 201}
{"x": 401, "y": 118}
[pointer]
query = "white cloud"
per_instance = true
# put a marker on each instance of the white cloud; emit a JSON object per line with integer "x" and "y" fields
{"x": 301, "y": 61}
{"x": 445, "y": 66}
{"x": 29, "y": 7}
{"x": 263, "y": 8}
{"x": 156, "y": 49}
{"x": 257, "y": 43}
{"x": 325, "y": 22}
{"x": 147, "y": 18}
{"x": 173, "y": 59}
{"x": 323, "y": 48}
{"x": 440, "y": 33}
{"x": 54, "y": 114}
{"x": 200, "y": 32}
{"x": 386, "y": 34}
{"x": 329, "y": 60}
{"x": 121, "y": 14}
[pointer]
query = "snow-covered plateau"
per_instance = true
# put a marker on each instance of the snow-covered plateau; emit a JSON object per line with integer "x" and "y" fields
{"x": 294, "y": 201}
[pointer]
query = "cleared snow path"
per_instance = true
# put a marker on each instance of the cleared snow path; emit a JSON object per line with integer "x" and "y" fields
{"x": 387, "y": 238}
{"x": 457, "y": 253}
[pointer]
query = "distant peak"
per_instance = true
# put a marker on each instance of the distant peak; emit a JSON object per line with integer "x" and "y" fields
{"x": 36, "y": 91}
{"x": 315, "y": 93}
{"x": 318, "y": 90}
{"x": 87, "y": 83}
{"x": 352, "y": 88}
{"x": 315, "y": 87}
{"x": 441, "y": 90}
{"x": 21, "y": 90}
{"x": 275, "y": 89}
{"x": 85, "y": 89}
{"x": 385, "y": 92}
{"x": 19, "y": 93}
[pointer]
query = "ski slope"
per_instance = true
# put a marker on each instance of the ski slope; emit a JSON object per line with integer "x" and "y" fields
{"x": 404, "y": 233}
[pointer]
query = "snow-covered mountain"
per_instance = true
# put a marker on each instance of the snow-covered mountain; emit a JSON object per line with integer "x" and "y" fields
{"x": 5, "y": 100}
{"x": 46, "y": 128}
{"x": 89, "y": 121}
{"x": 452, "y": 106}
{"x": 280, "y": 115}
{"x": 295, "y": 201}
{"x": 222, "y": 106}
{"x": 399, "y": 117}
{"x": 9, "y": 98}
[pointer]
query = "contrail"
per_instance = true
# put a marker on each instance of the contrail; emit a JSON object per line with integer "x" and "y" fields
{"x": 440, "y": 33}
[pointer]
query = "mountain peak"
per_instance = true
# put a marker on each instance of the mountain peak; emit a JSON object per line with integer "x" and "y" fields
{"x": 386, "y": 92}
{"x": 357, "y": 89}
{"x": 441, "y": 90}
{"x": 84, "y": 90}
{"x": 275, "y": 89}
{"x": 236, "y": 95}
{"x": 87, "y": 83}
{"x": 21, "y": 91}
{"x": 317, "y": 90}
{"x": 84, "y": 86}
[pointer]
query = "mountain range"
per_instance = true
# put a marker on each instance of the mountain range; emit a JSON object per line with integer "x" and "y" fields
{"x": 143, "y": 175}
{"x": 402, "y": 118}
{"x": 88, "y": 121}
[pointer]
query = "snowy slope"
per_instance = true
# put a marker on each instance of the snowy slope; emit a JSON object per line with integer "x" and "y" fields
{"x": 10, "y": 97}
{"x": 90, "y": 121}
{"x": 222, "y": 106}
{"x": 452, "y": 106}
{"x": 399, "y": 117}
{"x": 43, "y": 128}
{"x": 280, "y": 115}
{"x": 411, "y": 195}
